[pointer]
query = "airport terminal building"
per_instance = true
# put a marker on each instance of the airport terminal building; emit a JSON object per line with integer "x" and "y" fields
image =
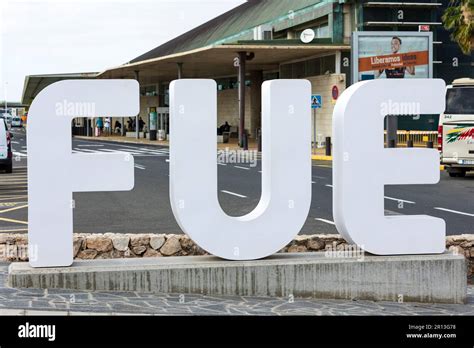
{"x": 263, "y": 40}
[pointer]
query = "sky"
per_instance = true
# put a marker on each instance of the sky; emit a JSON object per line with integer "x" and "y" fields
{"x": 64, "y": 36}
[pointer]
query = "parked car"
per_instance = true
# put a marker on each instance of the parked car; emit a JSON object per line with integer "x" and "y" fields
{"x": 456, "y": 128}
{"x": 5, "y": 147}
{"x": 16, "y": 121}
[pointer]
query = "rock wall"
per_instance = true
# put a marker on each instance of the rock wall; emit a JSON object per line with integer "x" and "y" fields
{"x": 14, "y": 247}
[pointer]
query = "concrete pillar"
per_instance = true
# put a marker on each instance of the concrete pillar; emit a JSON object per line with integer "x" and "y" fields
{"x": 137, "y": 127}
{"x": 88, "y": 127}
{"x": 180, "y": 71}
{"x": 291, "y": 34}
{"x": 347, "y": 29}
{"x": 256, "y": 78}
{"x": 331, "y": 25}
{"x": 241, "y": 77}
{"x": 338, "y": 62}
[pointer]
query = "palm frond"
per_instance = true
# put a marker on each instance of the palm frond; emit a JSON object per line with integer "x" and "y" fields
{"x": 462, "y": 28}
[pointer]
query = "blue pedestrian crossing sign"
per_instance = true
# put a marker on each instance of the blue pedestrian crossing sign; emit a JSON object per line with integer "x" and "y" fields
{"x": 316, "y": 101}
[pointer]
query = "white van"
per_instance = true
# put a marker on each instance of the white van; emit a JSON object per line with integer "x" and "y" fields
{"x": 5, "y": 147}
{"x": 456, "y": 128}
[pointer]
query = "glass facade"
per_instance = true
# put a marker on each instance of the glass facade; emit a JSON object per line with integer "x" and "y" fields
{"x": 312, "y": 67}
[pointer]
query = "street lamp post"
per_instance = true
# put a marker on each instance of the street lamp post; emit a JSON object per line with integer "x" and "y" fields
{"x": 137, "y": 124}
{"x": 5, "y": 95}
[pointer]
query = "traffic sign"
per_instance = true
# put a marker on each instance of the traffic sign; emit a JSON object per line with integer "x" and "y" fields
{"x": 423, "y": 28}
{"x": 335, "y": 92}
{"x": 316, "y": 101}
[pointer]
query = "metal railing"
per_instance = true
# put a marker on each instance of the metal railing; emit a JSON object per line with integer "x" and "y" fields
{"x": 418, "y": 138}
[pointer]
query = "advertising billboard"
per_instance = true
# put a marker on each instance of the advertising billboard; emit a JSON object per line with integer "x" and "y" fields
{"x": 379, "y": 55}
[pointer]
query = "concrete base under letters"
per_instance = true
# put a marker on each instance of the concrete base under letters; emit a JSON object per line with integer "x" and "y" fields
{"x": 420, "y": 278}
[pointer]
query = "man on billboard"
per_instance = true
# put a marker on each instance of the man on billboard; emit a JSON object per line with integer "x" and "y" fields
{"x": 381, "y": 55}
{"x": 395, "y": 73}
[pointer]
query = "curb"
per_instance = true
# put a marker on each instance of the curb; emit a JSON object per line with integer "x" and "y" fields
{"x": 329, "y": 158}
{"x": 321, "y": 158}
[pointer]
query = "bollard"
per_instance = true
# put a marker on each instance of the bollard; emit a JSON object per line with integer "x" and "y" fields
{"x": 410, "y": 143}
{"x": 245, "y": 142}
{"x": 429, "y": 144}
{"x": 328, "y": 146}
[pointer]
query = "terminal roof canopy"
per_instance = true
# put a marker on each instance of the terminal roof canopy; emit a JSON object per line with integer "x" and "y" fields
{"x": 209, "y": 50}
{"x": 36, "y": 83}
{"x": 218, "y": 61}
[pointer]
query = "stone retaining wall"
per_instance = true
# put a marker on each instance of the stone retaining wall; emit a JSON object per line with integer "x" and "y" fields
{"x": 13, "y": 247}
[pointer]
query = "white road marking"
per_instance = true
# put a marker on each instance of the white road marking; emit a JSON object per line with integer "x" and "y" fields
{"x": 110, "y": 150}
{"x": 122, "y": 145}
{"x": 318, "y": 177}
{"x": 391, "y": 212}
{"x": 244, "y": 168}
{"x": 454, "y": 211}
{"x": 15, "y": 142}
{"x": 326, "y": 221}
{"x": 167, "y": 160}
{"x": 221, "y": 164}
{"x": 138, "y": 166}
{"x": 390, "y": 198}
{"x": 90, "y": 145}
{"x": 313, "y": 182}
{"x": 164, "y": 151}
{"x": 15, "y": 230}
{"x": 138, "y": 152}
{"x": 122, "y": 151}
{"x": 86, "y": 151}
{"x": 134, "y": 150}
{"x": 233, "y": 194}
{"x": 399, "y": 200}
{"x": 19, "y": 154}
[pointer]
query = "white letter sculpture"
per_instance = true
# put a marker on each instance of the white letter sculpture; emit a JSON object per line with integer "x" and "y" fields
{"x": 54, "y": 173}
{"x": 286, "y": 169}
{"x": 362, "y": 166}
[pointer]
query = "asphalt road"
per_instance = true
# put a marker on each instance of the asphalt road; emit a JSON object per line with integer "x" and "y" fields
{"x": 146, "y": 208}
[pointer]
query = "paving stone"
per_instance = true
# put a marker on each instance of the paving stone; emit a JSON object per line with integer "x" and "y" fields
{"x": 57, "y": 302}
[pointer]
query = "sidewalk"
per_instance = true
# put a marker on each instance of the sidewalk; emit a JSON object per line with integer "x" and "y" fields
{"x": 68, "y": 302}
{"x": 318, "y": 154}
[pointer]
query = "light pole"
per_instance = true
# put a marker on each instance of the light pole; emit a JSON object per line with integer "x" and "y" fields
{"x": 5, "y": 95}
